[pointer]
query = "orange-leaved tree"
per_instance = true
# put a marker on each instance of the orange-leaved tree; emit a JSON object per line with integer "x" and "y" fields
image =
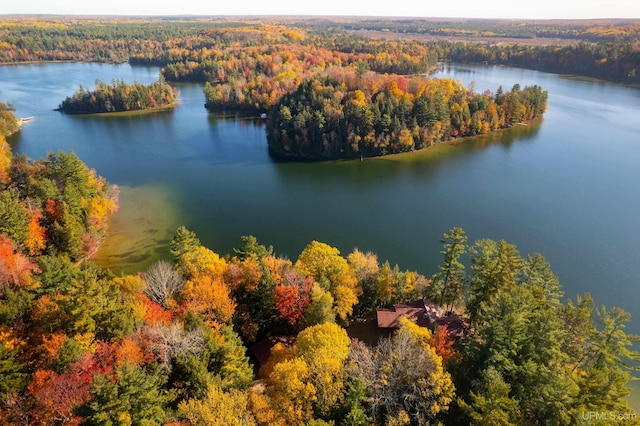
{"x": 205, "y": 291}
{"x": 15, "y": 268}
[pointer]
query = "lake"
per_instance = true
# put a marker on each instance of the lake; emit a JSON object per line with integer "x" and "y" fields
{"x": 567, "y": 186}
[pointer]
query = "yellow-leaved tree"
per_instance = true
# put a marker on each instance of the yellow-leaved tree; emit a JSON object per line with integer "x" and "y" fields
{"x": 325, "y": 347}
{"x": 405, "y": 375}
{"x": 5, "y": 160}
{"x": 201, "y": 262}
{"x": 333, "y": 273}
{"x": 218, "y": 408}
{"x": 311, "y": 379}
{"x": 210, "y": 299}
{"x": 291, "y": 390}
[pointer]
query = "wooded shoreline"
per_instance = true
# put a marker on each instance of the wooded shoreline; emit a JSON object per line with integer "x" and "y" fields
{"x": 123, "y": 113}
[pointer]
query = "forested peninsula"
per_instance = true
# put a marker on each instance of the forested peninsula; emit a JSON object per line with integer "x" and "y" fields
{"x": 120, "y": 97}
{"x": 351, "y": 115}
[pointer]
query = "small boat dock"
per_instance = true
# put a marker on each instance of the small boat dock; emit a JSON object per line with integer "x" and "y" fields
{"x": 23, "y": 121}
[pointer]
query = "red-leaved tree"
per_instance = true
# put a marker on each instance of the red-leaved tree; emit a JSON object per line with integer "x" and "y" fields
{"x": 292, "y": 296}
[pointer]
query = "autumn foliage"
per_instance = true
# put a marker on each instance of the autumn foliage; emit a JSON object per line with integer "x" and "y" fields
{"x": 78, "y": 345}
{"x": 444, "y": 345}
{"x": 119, "y": 97}
{"x": 15, "y": 268}
{"x": 169, "y": 345}
{"x": 346, "y": 113}
{"x": 290, "y": 301}
{"x": 5, "y": 161}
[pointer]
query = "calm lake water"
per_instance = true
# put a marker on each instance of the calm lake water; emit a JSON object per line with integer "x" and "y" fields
{"x": 567, "y": 186}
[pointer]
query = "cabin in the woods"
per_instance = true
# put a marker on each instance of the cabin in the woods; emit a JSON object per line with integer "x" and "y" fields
{"x": 424, "y": 313}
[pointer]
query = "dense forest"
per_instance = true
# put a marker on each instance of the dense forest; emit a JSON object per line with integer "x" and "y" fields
{"x": 179, "y": 342}
{"x": 347, "y": 115}
{"x": 90, "y": 40}
{"x": 119, "y": 97}
{"x": 590, "y": 30}
{"x": 607, "y": 61}
{"x": 255, "y": 78}
{"x": 207, "y": 49}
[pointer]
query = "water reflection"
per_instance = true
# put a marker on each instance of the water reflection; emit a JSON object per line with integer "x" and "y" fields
{"x": 234, "y": 139}
{"x": 420, "y": 165}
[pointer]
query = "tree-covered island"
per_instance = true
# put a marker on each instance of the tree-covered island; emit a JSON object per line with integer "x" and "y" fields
{"x": 120, "y": 97}
{"x": 345, "y": 114}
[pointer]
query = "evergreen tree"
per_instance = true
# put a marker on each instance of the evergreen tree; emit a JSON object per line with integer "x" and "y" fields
{"x": 134, "y": 396}
{"x": 11, "y": 372}
{"x": 251, "y": 248}
{"x": 491, "y": 404}
{"x": 14, "y": 218}
{"x": 452, "y": 276}
{"x": 494, "y": 267}
{"x": 182, "y": 242}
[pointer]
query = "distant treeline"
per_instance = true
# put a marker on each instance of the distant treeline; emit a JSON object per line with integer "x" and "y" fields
{"x": 585, "y": 30}
{"x": 345, "y": 115}
{"x": 619, "y": 62}
{"x": 92, "y": 40}
{"x": 266, "y": 51}
{"x": 119, "y": 97}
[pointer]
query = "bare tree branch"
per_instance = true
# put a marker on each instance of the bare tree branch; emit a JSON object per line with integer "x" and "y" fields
{"x": 169, "y": 341}
{"x": 162, "y": 281}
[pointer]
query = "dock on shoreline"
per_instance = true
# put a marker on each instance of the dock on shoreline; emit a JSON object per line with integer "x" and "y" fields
{"x": 23, "y": 121}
